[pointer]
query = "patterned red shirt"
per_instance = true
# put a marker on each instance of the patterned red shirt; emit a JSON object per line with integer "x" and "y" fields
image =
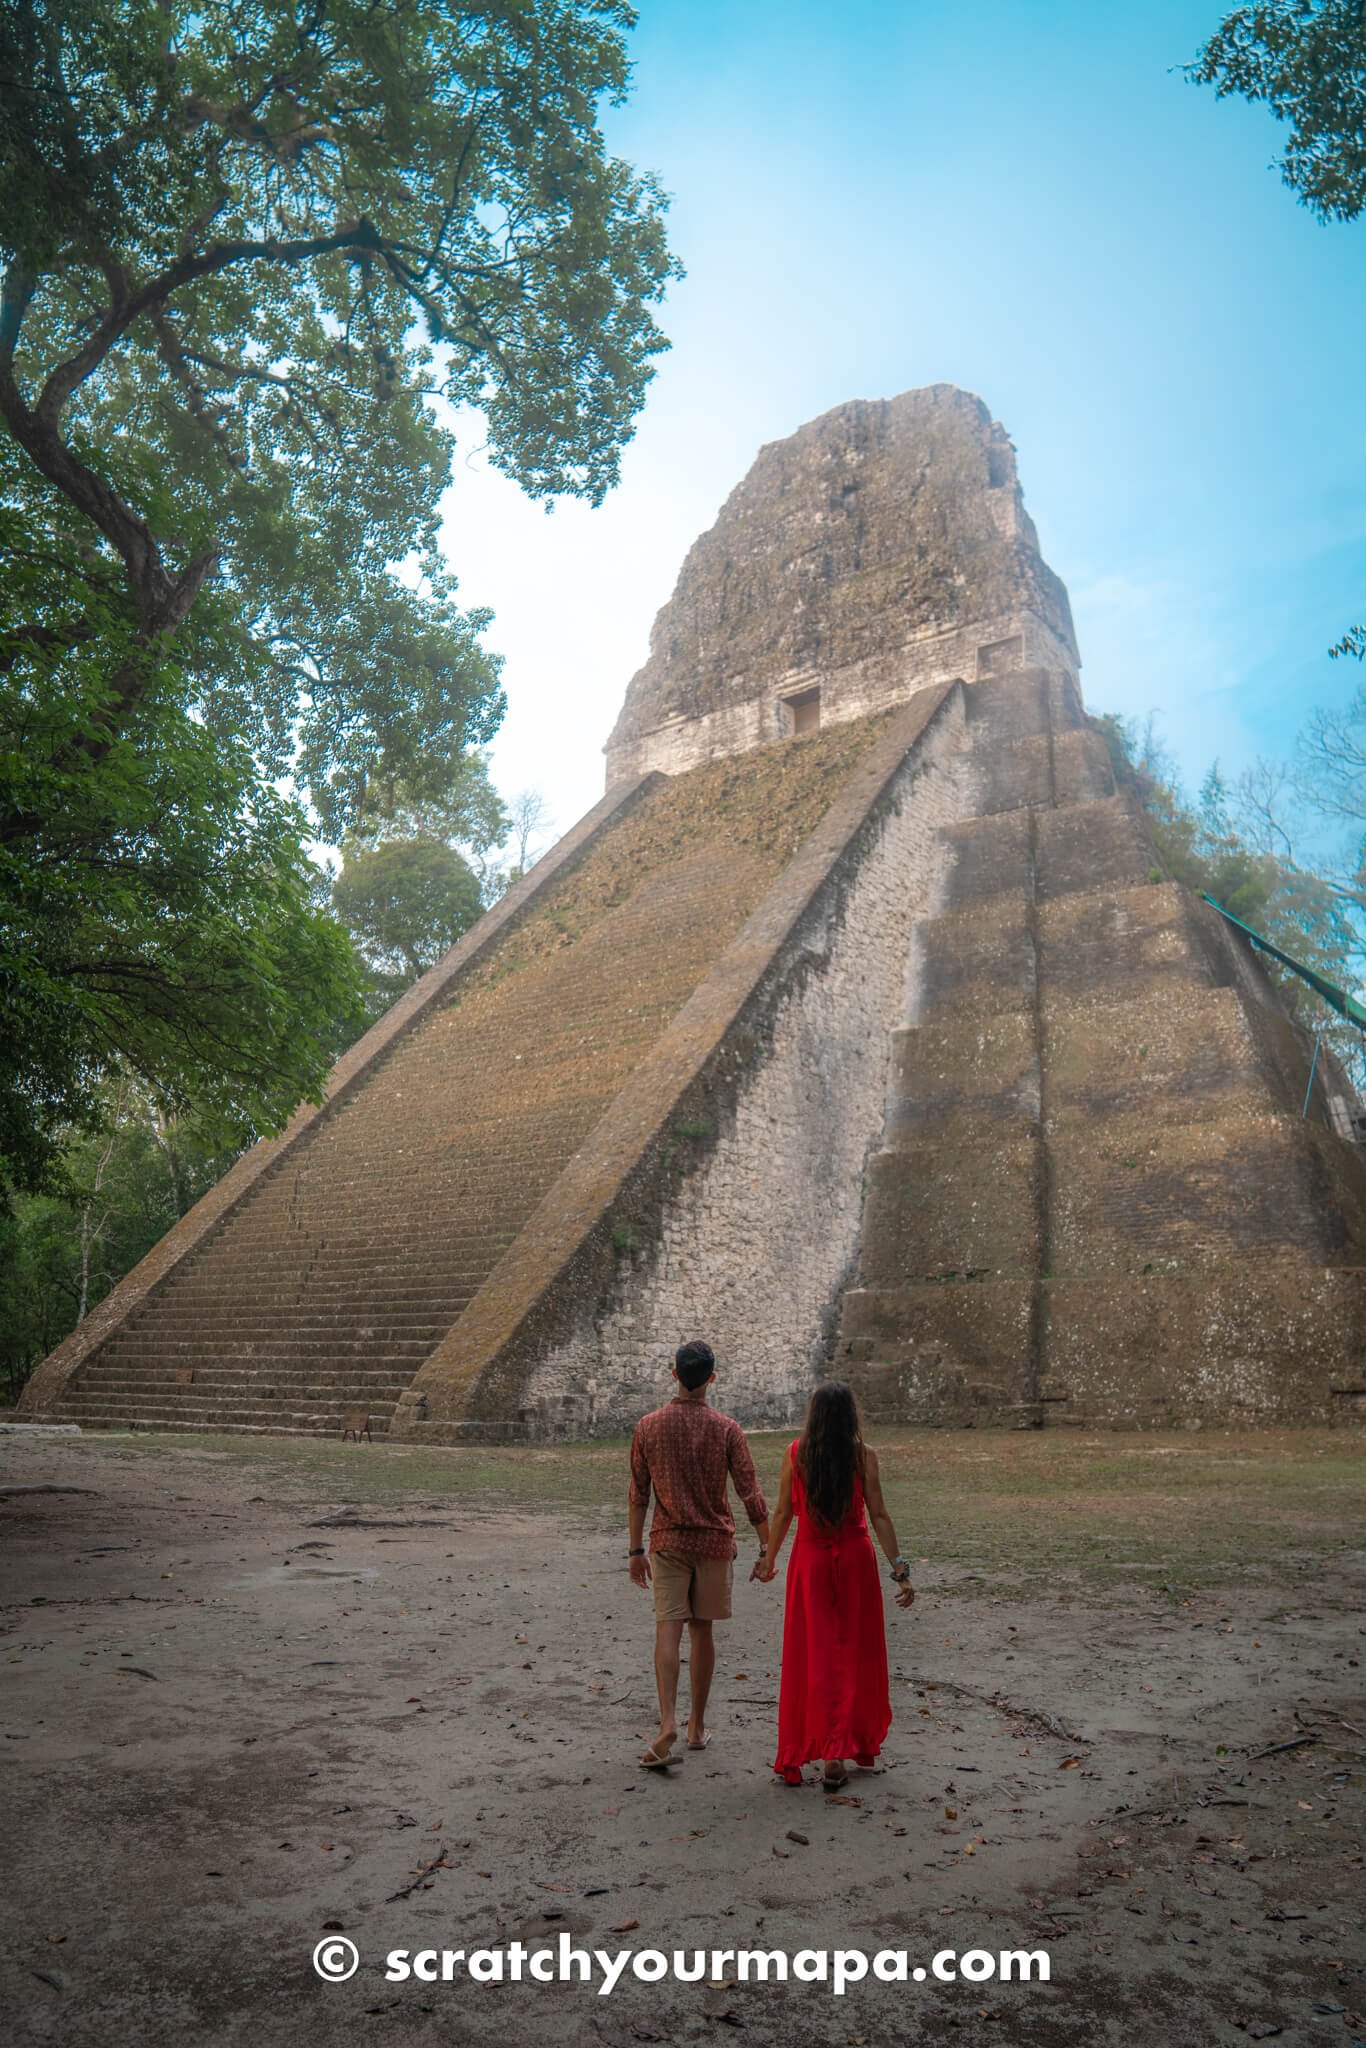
{"x": 686, "y": 1450}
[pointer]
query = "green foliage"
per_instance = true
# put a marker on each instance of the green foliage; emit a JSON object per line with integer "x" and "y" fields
{"x": 451, "y": 800}
{"x": 694, "y": 1127}
{"x": 126, "y": 1187}
{"x": 249, "y": 253}
{"x": 1208, "y": 847}
{"x": 405, "y": 902}
{"x": 1306, "y": 59}
{"x": 245, "y": 248}
{"x": 162, "y": 923}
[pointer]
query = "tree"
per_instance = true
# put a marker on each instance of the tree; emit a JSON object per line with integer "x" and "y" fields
{"x": 165, "y": 922}
{"x": 529, "y": 816}
{"x": 452, "y": 800}
{"x": 405, "y": 902}
{"x": 1333, "y": 762}
{"x": 127, "y": 1186}
{"x": 1306, "y": 59}
{"x": 1243, "y": 844}
{"x": 247, "y": 249}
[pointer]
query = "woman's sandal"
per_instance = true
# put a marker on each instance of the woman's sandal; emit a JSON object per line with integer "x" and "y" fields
{"x": 835, "y": 1784}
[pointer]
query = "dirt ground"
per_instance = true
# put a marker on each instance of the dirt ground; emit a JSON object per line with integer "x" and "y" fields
{"x": 258, "y": 1693}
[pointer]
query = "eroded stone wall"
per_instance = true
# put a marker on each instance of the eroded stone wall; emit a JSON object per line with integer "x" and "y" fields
{"x": 755, "y": 1244}
{"x": 988, "y": 647}
{"x": 880, "y": 549}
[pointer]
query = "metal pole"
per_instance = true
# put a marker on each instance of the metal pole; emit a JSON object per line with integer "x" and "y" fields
{"x": 1313, "y": 1069}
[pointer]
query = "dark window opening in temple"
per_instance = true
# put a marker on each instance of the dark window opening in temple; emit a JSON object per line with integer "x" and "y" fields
{"x": 804, "y": 712}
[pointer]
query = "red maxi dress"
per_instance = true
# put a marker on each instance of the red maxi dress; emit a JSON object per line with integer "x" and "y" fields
{"x": 832, "y": 1698}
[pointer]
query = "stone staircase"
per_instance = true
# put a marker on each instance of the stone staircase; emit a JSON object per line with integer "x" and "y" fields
{"x": 1094, "y": 1150}
{"x": 323, "y": 1291}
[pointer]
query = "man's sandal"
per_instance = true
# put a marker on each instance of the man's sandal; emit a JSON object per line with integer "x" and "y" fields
{"x": 654, "y": 1760}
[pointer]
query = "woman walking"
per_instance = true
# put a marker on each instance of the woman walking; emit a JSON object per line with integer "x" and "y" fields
{"x": 832, "y": 1699}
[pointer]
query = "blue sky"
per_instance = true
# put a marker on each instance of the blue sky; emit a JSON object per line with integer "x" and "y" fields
{"x": 1031, "y": 202}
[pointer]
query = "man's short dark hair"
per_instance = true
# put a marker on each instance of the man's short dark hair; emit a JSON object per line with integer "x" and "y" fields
{"x": 694, "y": 1365}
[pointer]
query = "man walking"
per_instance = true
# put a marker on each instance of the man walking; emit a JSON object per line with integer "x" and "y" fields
{"x": 686, "y": 1451}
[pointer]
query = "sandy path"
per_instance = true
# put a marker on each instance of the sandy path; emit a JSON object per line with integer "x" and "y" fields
{"x": 227, "y": 1729}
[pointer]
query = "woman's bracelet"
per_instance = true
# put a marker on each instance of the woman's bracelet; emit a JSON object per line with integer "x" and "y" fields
{"x": 900, "y": 1569}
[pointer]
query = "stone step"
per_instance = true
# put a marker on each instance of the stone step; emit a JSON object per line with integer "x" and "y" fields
{"x": 1065, "y": 769}
{"x": 438, "y": 1260}
{"x": 228, "y": 1405}
{"x": 1273, "y": 1340}
{"x": 249, "y": 1317}
{"x": 390, "y": 1252}
{"x": 1177, "y": 1053}
{"x": 206, "y": 1290}
{"x": 224, "y": 1338}
{"x": 977, "y": 958}
{"x": 1138, "y": 1196}
{"x": 1103, "y": 942}
{"x": 1003, "y": 710}
{"x": 948, "y": 1352}
{"x": 1085, "y": 847}
{"x": 200, "y": 1426}
{"x": 138, "y": 1379}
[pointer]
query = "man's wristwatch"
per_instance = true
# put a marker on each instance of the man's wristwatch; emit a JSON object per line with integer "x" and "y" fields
{"x": 637, "y": 1553}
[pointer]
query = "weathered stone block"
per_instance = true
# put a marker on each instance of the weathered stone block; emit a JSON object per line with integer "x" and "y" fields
{"x": 987, "y": 856}
{"x": 1095, "y": 941}
{"x": 952, "y": 1212}
{"x": 979, "y": 958}
{"x": 1012, "y": 776}
{"x": 1082, "y": 770}
{"x": 1176, "y": 1051}
{"x": 1008, "y": 708}
{"x": 1260, "y": 1343}
{"x": 1139, "y": 1196}
{"x": 964, "y": 1076}
{"x": 1093, "y": 846}
{"x": 959, "y": 1352}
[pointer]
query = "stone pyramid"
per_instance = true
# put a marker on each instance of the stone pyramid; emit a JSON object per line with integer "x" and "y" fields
{"x": 857, "y": 1029}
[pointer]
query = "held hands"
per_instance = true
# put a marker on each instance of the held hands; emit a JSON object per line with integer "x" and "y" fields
{"x": 763, "y": 1570}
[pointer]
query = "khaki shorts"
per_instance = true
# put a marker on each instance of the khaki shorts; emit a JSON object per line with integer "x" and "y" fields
{"x": 691, "y": 1588}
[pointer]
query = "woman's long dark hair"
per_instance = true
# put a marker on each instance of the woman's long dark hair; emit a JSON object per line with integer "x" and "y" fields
{"x": 830, "y": 1452}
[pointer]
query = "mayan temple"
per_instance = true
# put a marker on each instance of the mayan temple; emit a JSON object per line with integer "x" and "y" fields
{"x": 858, "y": 1029}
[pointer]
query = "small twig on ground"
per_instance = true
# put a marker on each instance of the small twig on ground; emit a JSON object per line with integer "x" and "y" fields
{"x": 1003, "y": 1705}
{"x": 1295, "y": 1742}
{"x": 425, "y": 1871}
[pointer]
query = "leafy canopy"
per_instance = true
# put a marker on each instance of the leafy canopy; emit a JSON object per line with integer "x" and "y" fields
{"x": 248, "y": 252}
{"x": 405, "y": 903}
{"x": 245, "y": 247}
{"x": 1306, "y": 59}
